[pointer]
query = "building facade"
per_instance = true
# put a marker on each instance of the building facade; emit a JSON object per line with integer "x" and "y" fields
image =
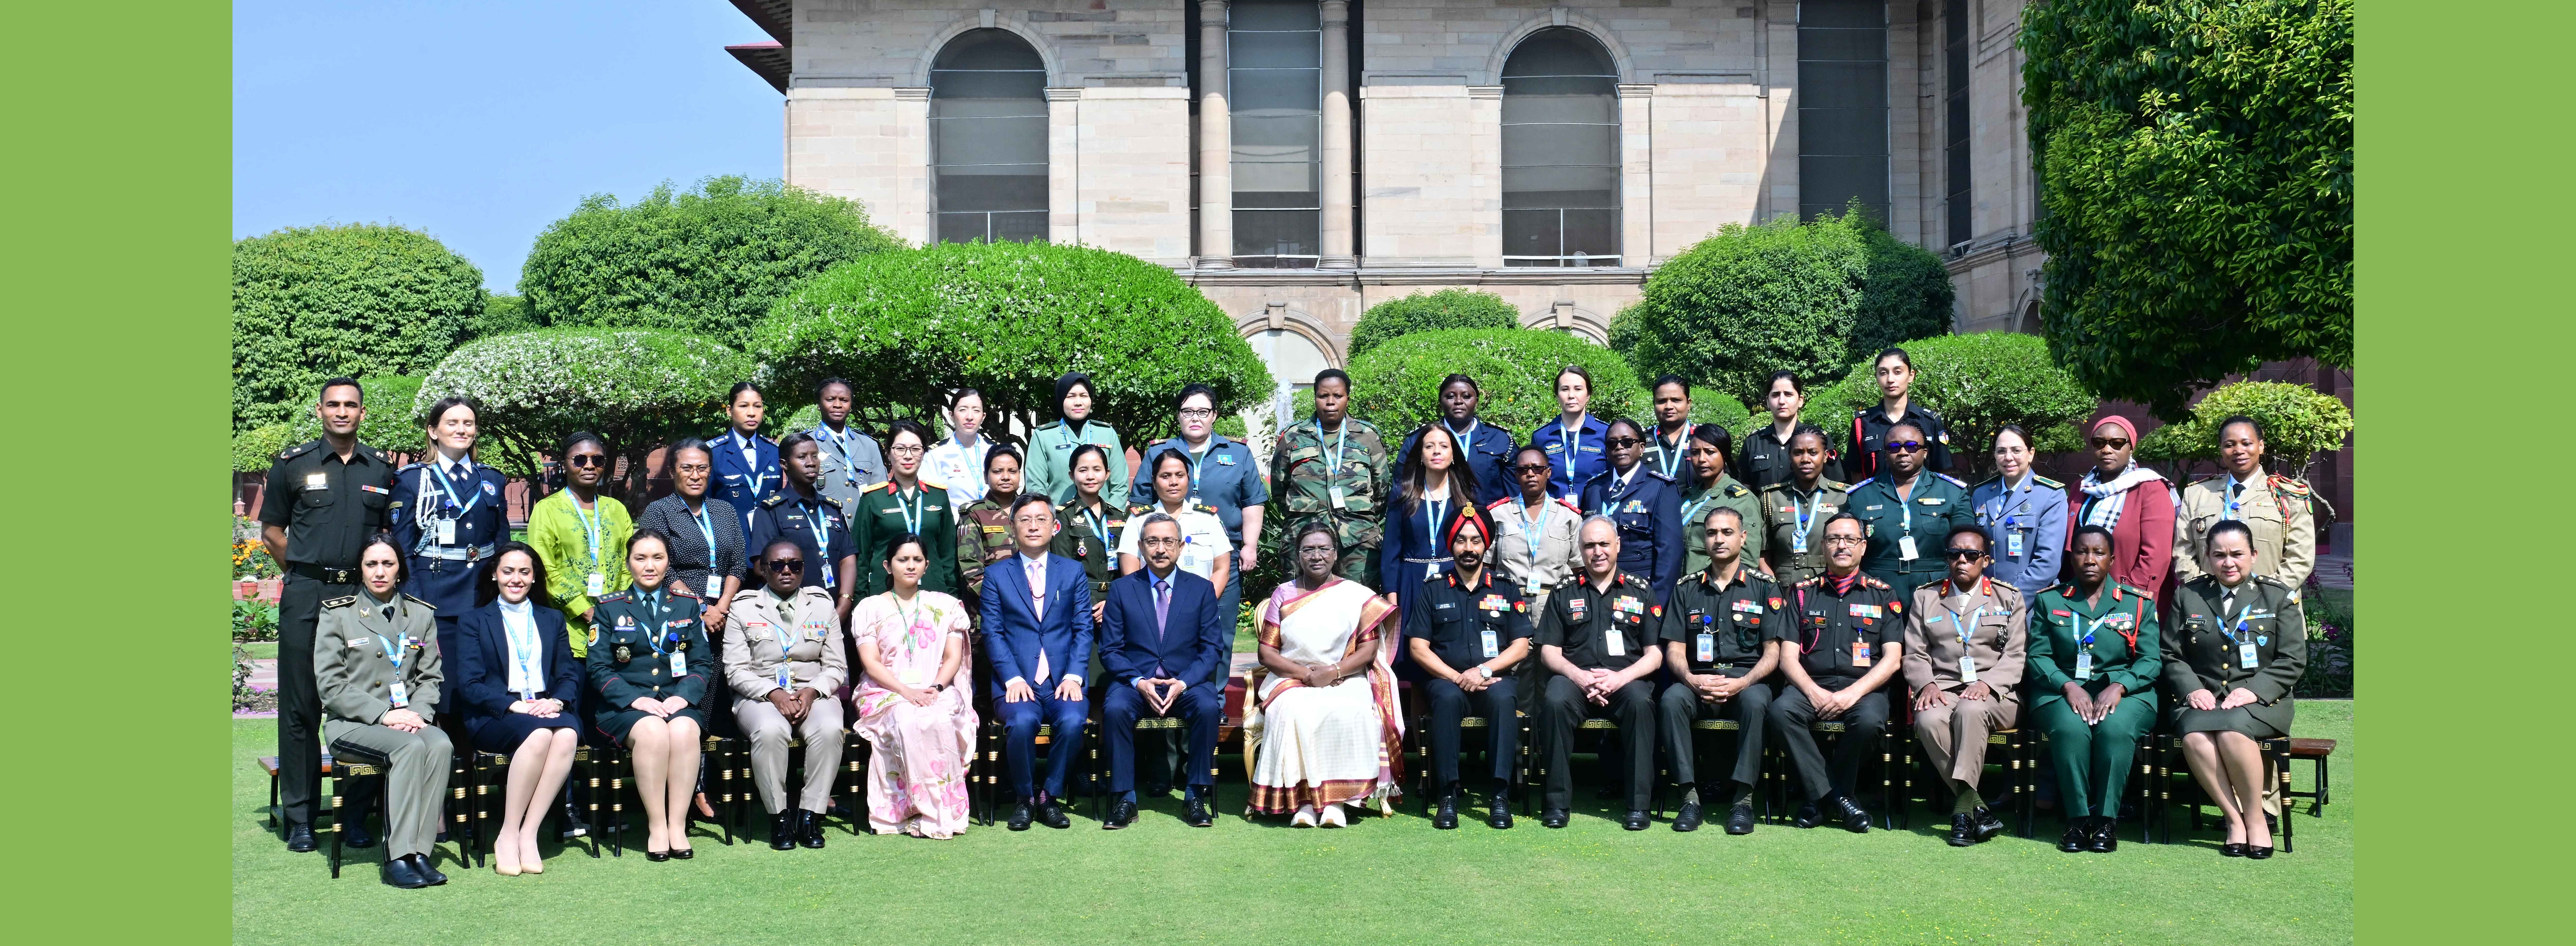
{"x": 1301, "y": 160}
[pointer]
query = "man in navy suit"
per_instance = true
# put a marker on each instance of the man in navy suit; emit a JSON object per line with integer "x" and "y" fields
{"x": 1161, "y": 637}
{"x": 1037, "y": 633}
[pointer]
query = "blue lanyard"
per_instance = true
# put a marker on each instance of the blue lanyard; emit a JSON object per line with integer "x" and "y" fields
{"x": 707, "y": 528}
{"x": 1670, "y": 464}
{"x": 752, "y": 461}
{"x": 1099, "y": 522}
{"x": 1808, "y": 514}
{"x": 2005, "y": 499}
{"x": 1573, "y": 440}
{"x": 1198, "y": 461}
{"x": 1966, "y": 628}
{"x": 2235, "y": 500}
{"x": 2239, "y": 626}
{"x": 841, "y": 444}
{"x": 393, "y": 646}
{"x": 523, "y": 646}
{"x": 1333, "y": 463}
{"x": 448, "y": 487}
{"x": 661, "y": 636}
{"x": 590, "y": 526}
{"x": 912, "y": 514}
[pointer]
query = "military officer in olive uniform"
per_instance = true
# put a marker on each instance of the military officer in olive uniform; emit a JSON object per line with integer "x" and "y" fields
{"x": 1719, "y": 634}
{"x": 1849, "y": 640}
{"x": 1909, "y": 511}
{"x": 2277, "y": 511}
{"x": 1049, "y": 470}
{"x": 1335, "y": 467}
{"x": 851, "y": 458}
{"x": 377, "y": 670}
{"x": 784, "y": 658}
{"x": 1966, "y": 642}
{"x": 321, "y": 500}
{"x": 2240, "y": 643}
{"x": 1596, "y": 639}
{"x": 1795, "y": 510}
{"x": 1706, "y": 485}
{"x": 797, "y": 513}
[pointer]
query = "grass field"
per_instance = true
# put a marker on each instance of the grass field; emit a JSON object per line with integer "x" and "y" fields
{"x": 1383, "y": 880}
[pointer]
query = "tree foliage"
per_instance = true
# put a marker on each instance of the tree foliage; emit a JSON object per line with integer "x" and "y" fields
{"x": 502, "y": 314}
{"x": 393, "y": 424}
{"x": 709, "y": 261}
{"x": 1397, "y": 384}
{"x": 1805, "y": 297}
{"x": 1430, "y": 312}
{"x": 1977, "y": 383}
{"x": 311, "y": 303}
{"x": 636, "y": 388}
{"x": 2299, "y": 422}
{"x": 1007, "y": 319}
{"x": 2197, "y": 176}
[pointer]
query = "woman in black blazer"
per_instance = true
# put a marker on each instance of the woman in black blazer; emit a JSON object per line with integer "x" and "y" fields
{"x": 518, "y": 680}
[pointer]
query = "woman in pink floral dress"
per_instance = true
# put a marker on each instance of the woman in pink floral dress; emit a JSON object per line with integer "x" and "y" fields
{"x": 911, "y": 644}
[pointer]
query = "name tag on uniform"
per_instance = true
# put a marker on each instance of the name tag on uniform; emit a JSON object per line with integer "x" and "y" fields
{"x": 447, "y": 532}
{"x": 1493, "y": 643}
{"x": 2083, "y": 664}
{"x": 1905, "y": 548}
{"x": 399, "y": 694}
{"x": 1967, "y": 668}
{"x": 1225, "y": 459}
{"x": 1706, "y": 650}
{"x": 1614, "y": 643}
{"x": 1339, "y": 501}
{"x": 715, "y": 587}
{"x": 2246, "y": 657}
{"x": 317, "y": 481}
{"x": 1860, "y": 653}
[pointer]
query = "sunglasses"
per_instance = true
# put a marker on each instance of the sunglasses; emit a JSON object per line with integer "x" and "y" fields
{"x": 2111, "y": 442}
{"x": 1966, "y": 553}
{"x": 1623, "y": 443}
{"x": 787, "y": 565}
{"x": 586, "y": 459}
{"x": 1905, "y": 446}
{"x": 1531, "y": 468}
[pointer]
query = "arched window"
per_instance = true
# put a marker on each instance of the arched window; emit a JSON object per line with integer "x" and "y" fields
{"x": 1560, "y": 152}
{"x": 988, "y": 138}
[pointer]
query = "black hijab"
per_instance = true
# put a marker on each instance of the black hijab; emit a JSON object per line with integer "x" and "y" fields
{"x": 1064, "y": 386}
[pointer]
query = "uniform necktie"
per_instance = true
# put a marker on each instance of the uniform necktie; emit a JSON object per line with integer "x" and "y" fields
{"x": 2226, "y": 603}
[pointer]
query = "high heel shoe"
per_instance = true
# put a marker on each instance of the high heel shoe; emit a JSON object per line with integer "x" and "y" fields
{"x": 505, "y": 869}
{"x": 2253, "y": 853}
{"x": 657, "y": 856}
{"x": 684, "y": 853}
{"x": 2231, "y": 850}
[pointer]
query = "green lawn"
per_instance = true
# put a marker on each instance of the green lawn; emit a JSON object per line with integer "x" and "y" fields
{"x": 1382, "y": 880}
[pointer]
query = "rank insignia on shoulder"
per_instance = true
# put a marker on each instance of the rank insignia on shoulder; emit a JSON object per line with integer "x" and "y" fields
{"x": 1205, "y": 508}
{"x": 2045, "y": 481}
{"x": 416, "y": 600}
{"x": 873, "y": 487}
{"x": 341, "y": 602}
{"x": 1954, "y": 481}
{"x": 1737, "y": 491}
{"x": 2290, "y": 486}
{"x": 681, "y": 589}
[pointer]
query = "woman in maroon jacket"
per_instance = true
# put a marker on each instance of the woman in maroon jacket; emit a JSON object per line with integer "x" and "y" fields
{"x": 2135, "y": 503}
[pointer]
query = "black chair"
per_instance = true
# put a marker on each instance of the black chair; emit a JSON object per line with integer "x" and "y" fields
{"x": 2145, "y": 786}
{"x": 1837, "y": 729}
{"x": 358, "y": 770}
{"x": 986, "y": 773}
{"x": 1421, "y": 752}
{"x": 1534, "y": 774}
{"x": 795, "y": 782}
{"x": 2012, "y": 749}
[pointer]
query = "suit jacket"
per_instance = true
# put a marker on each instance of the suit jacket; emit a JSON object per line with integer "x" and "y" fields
{"x": 1014, "y": 635}
{"x": 741, "y": 485}
{"x": 483, "y": 663}
{"x": 1195, "y": 635}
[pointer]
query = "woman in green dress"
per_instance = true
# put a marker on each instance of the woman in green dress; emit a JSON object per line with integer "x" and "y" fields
{"x": 2241, "y": 643}
{"x": 906, "y": 505}
{"x": 2094, "y": 658}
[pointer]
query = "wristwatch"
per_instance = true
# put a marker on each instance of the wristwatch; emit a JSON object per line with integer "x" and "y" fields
{"x": 1487, "y": 671}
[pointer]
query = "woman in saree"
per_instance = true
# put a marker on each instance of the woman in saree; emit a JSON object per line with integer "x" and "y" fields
{"x": 1327, "y": 727}
{"x": 913, "y": 714}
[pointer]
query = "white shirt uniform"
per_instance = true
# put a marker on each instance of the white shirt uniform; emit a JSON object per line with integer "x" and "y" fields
{"x": 1203, "y": 541}
{"x": 960, "y": 469}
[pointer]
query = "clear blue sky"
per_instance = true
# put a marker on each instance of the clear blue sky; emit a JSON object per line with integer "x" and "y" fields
{"x": 481, "y": 122}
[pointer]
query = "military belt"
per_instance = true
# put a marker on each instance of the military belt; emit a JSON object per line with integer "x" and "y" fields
{"x": 328, "y": 576}
{"x": 456, "y": 554}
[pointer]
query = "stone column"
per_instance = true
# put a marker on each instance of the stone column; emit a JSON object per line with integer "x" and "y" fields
{"x": 916, "y": 198}
{"x": 1337, "y": 136}
{"x": 1064, "y": 138}
{"x": 1216, "y": 143}
{"x": 1636, "y": 175}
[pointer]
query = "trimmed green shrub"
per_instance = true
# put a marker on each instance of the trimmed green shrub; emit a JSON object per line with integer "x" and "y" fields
{"x": 256, "y": 448}
{"x": 1802, "y": 297}
{"x": 502, "y": 314}
{"x": 710, "y": 261}
{"x": 1398, "y": 383}
{"x": 392, "y": 424}
{"x": 1431, "y": 312}
{"x": 1977, "y": 382}
{"x": 1007, "y": 319}
{"x": 311, "y": 303}
{"x": 638, "y": 389}
{"x": 2196, "y": 173}
{"x": 2298, "y": 421}
{"x": 1710, "y": 406}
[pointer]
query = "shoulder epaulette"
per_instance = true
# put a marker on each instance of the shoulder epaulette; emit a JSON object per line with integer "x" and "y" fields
{"x": 1829, "y": 484}
{"x": 2045, "y": 481}
{"x": 1954, "y": 481}
{"x": 1783, "y": 484}
{"x": 416, "y": 600}
{"x": 1505, "y": 501}
{"x": 928, "y": 483}
{"x": 2197, "y": 480}
{"x": 1102, "y": 424}
{"x": 1567, "y": 503}
{"x": 878, "y": 485}
{"x": 1205, "y": 508}
{"x": 1810, "y": 581}
{"x": 774, "y": 500}
{"x": 681, "y": 589}
{"x": 1631, "y": 579}
{"x": 2269, "y": 580}
{"x": 1737, "y": 491}
{"x": 1051, "y": 425}
{"x": 1354, "y": 420}
{"x": 1659, "y": 475}
{"x": 341, "y": 602}
{"x": 1864, "y": 481}
{"x": 379, "y": 455}
{"x": 1981, "y": 484}
{"x": 408, "y": 467}
{"x": 1873, "y": 582}
{"x": 1140, "y": 509}
{"x": 298, "y": 450}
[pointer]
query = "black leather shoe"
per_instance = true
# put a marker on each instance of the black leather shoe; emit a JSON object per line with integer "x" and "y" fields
{"x": 1637, "y": 820}
{"x": 1855, "y": 818}
{"x": 1051, "y": 815}
{"x": 1963, "y": 830}
{"x": 355, "y": 833}
{"x": 1121, "y": 814}
{"x": 809, "y": 829}
{"x": 2105, "y": 837}
{"x": 399, "y": 873}
{"x": 657, "y": 856}
{"x": 1020, "y": 817}
{"x": 1688, "y": 818}
{"x": 299, "y": 838}
{"x": 2253, "y": 853}
{"x": 1500, "y": 817}
{"x": 1196, "y": 814}
{"x": 2231, "y": 850}
{"x": 1739, "y": 819}
{"x": 1446, "y": 819}
{"x": 685, "y": 853}
{"x": 573, "y": 826}
{"x": 420, "y": 864}
{"x": 1552, "y": 818}
{"x": 1809, "y": 816}
{"x": 782, "y": 831}
{"x": 1987, "y": 825}
{"x": 2076, "y": 837}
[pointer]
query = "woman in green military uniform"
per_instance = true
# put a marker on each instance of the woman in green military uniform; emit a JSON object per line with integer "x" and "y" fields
{"x": 984, "y": 526}
{"x": 1795, "y": 510}
{"x": 1087, "y": 525}
{"x": 648, "y": 671}
{"x": 905, "y": 505}
{"x": 2243, "y": 642}
{"x": 2094, "y": 655}
{"x": 1709, "y": 486}
{"x": 1051, "y": 448}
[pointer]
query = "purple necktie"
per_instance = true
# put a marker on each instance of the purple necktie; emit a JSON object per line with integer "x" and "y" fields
{"x": 1162, "y": 613}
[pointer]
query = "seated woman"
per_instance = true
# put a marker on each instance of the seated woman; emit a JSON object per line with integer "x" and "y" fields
{"x": 649, "y": 669}
{"x": 2093, "y": 692}
{"x": 517, "y": 682}
{"x": 919, "y": 722}
{"x": 376, "y": 667}
{"x": 2243, "y": 635}
{"x": 1327, "y": 723}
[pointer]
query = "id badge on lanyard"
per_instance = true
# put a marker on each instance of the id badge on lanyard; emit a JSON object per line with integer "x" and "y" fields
{"x": 679, "y": 664}
{"x": 1860, "y": 652}
{"x": 1614, "y": 643}
{"x": 1705, "y": 650}
{"x": 2084, "y": 655}
{"x": 1967, "y": 661}
{"x": 396, "y": 692}
{"x": 1905, "y": 537}
{"x": 2012, "y": 540}
{"x": 1493, "y": 643}
{"x": 447, "y": 532}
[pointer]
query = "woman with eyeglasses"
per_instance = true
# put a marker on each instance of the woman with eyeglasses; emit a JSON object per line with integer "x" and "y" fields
{"x": 1435, "y": 487}
{"x": 649, "y": 671}
{"x": 2024, "y": 514}
{"x": 2241, "y": 642}
{"x": 1708, "y": 486}
{"x": 1908, "y": 510}
{"x": 1534, "y": 533}
{"x": 518, "y": 685}
{"x": 957, "y": 463}
{"x": 1795, "y": 510}
{"x": 2136, "y": 505}
{"x": 578, "y": 534}
{"x": 906, "y": 504}
{"x": 1574, "y": 440}
{"x": 1647, "y": 507}
{"x": 2094, "y": 660}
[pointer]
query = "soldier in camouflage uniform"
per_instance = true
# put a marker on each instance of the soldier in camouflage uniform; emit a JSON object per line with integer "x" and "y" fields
{"x": 1335, "y": 466}
{"x": 984, "y": 527}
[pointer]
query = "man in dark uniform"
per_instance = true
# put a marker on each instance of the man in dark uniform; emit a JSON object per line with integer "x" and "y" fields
{"x": 1597, "y": 638}
{"x": 1849, "y": 640}
{"x": 1647, "y": 507}
{"x": 799, "y": 513}
{"x": 1869, "y": 426}
{"x": 1718, "y": 633}
{"x": 1468, "y": 632}
{"x": 1910, "y": 513}
{"x": 321, "y": 501}
{"x": 1489, "y": 448}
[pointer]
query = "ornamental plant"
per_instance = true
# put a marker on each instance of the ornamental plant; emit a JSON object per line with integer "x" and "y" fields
{"x": 1430, "y": 312}
{"x": 638, "y": 389}
{"x": 1977, "y": 383}
{"x": 1397, "y": 384}
{"x": 311, "y": 303}
{"x": 2299, "y": 422}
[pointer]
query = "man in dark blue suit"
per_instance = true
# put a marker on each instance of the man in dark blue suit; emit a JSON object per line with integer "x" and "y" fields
{"x": 1037, "y": 633}
{"x": 1161, "y": 637}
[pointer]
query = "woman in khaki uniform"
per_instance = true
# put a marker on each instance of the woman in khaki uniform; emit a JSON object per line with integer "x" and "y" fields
{"x": 2277, "y": 511}
{"x": 376, "y": 664}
